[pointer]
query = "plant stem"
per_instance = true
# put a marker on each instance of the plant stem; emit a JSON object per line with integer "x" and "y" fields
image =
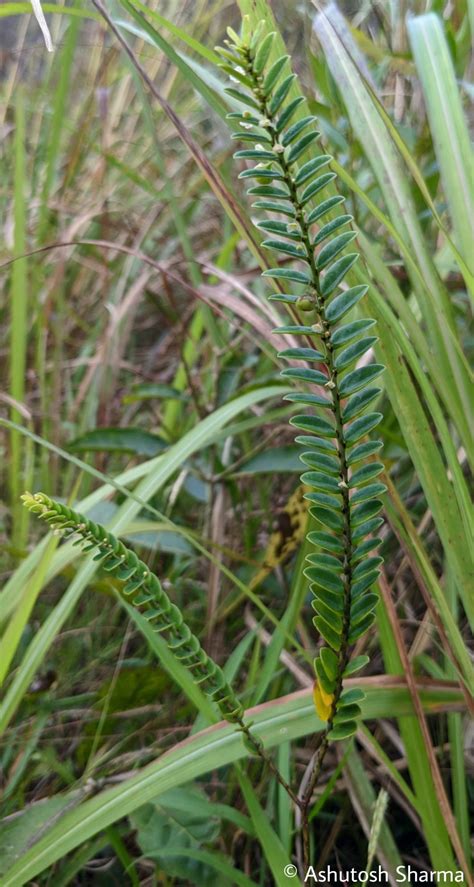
{"x": 333, "y": 387}
{"x": 257, "y": 746}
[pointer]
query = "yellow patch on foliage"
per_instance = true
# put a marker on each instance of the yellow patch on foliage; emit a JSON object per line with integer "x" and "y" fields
{"x": 322, "y": 702}
{"x": 292, "y": 523}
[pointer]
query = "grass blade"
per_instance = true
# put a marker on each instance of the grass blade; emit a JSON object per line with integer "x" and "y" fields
{"x": 448, "y": 125}
{"x": 443, "y": 806}
{"x": 272, "y": 847}
{"x": 18, "y": 320}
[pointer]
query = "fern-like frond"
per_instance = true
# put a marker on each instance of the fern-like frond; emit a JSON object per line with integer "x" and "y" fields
{"x": 343, "y": 486}
{"x": 143, "y": 590}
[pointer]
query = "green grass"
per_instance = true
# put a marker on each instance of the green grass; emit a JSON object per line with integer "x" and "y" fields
{"x": 101, "y": 727}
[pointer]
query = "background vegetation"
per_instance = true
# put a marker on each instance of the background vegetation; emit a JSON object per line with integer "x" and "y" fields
{"x": 139, "y": 381}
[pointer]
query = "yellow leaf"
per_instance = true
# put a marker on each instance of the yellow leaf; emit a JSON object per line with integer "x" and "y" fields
{"x": 322, "y": 702}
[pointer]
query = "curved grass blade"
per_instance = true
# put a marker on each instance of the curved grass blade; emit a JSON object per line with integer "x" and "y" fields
{"x": 276, "y": 722}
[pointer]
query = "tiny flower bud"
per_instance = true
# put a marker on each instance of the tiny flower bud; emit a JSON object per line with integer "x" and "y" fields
{"x": 306, "y": 303}
{"x": 330, "y": 384}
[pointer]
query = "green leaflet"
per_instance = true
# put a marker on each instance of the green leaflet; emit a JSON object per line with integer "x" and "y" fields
{"x": 319, "y": 211}
{"x": 333, "y": 248}
{"x": 349, "y": 331}
{"x": 308, "y": 169}
{"x": 358, "y": 402}
{"x": 343, "y": 303}
{"x": 353, "y": 352}
{"x": 274, "y": 73}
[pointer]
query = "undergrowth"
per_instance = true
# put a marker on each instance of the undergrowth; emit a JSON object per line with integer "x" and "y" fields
{"x": 250, "y": 666}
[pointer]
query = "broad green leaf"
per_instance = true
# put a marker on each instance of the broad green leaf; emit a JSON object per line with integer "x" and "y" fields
{"x": 274, "y": 459}
{"x": 123, "y": 440}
